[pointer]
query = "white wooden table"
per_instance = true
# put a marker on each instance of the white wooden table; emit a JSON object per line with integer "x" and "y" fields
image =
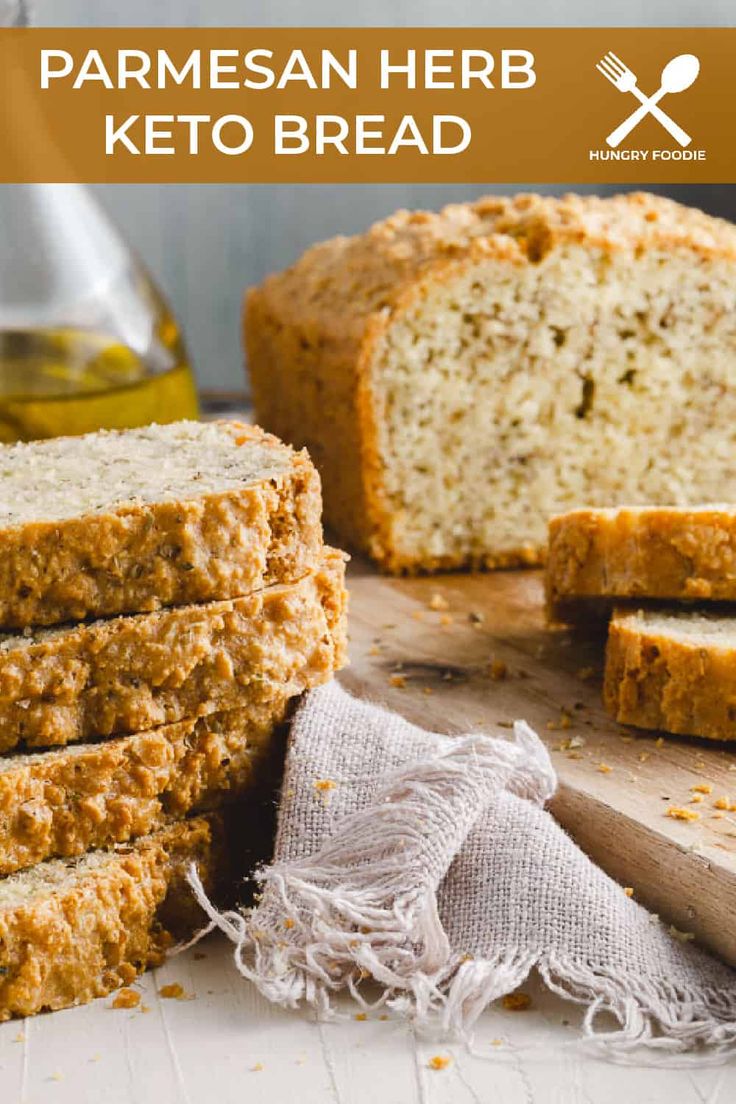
{"x": 223, "y": 1044}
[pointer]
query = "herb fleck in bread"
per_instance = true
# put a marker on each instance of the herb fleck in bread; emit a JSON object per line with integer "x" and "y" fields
{"x": 119, "y": 522}
{"x": 61, "y": 685}
{"x": 673, "y": 670}
{"x": 57, "y": 804}
{"x": 644, "y": 552}
{"x": 460, "y": 377}
{"x": 72, "y": 931}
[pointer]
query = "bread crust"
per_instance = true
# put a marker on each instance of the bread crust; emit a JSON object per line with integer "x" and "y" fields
{"x": 143, "y": 556}
{"x": 656, "y": 680}
{"x": 59, "y": 804}
{"x": 311, "y": 332}
{"x": 104, "y": 926}
{"x": 640, "y": 552}
{"x": 133, "y": 673}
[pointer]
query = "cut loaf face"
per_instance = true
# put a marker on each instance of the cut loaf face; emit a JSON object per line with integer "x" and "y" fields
{"x": 128, "y": 521}
{"x": 461, "y": 377}
{"x": 673, "y": 670}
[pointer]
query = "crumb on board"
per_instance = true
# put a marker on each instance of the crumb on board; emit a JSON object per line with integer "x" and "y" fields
{"x": 476, "y": 618}
{"x": 20, "y": 1037}
{"x": 172, "y": 991}
{"x": 126, "y": 998}
{"x": 677, "y": 813}
{"x": 604, "y": 768}
{"x": 722, "y": 803}
{"x": 659, "y": 742}
{"x": 439, "y": 1061}
{"x": 629, "y": 891}
{"x": 257, "y": 1067}
{"x": 56, "y": 1076}
{"x": 718, "y": 816}
{"x": 516, "y": 1002}
{"x": 446, "y": 619}
{"x": 497, "y": 670}
{"x": 438, "y": 602}
{"x": 397, "y": 681}
{"x": 427, "y": 690}
{"x": 496, "y": 1042}
{"x": 696, "y": 799}
{"x": 701, "y": 788}
{"x": 361, "y": 1017}
{"x": 643, "y": 756}
{"x": 289, "y": 922}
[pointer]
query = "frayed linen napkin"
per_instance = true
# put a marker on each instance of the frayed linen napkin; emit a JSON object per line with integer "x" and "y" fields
{"x": 428, "y": 864}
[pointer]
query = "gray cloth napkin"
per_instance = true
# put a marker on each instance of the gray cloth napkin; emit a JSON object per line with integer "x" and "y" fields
{"x": 428, "y": 864}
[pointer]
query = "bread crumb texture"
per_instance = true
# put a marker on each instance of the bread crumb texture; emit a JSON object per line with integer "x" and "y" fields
{"x": 62, "y": 803}
{"x": 129, "y": 674}
{"x": 129, "y": 521}
{"x": 72, "y": 931}
{"x": 460, "y": 377}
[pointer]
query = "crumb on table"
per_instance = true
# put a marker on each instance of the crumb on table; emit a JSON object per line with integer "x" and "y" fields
{"x": 126, "y": 998}
{"x": 439, "y": 1061}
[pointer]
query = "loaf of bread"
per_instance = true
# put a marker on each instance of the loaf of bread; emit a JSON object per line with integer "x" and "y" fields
{"x": 61, "y": 803}
{"x": 673, "y": 670}
{"x": 460, "y": 377}
{"x": 118, "y": 522}
{"x": 71, "y": 931}
{"x": 128, "y": 674}
{"x": 644, "y": 552}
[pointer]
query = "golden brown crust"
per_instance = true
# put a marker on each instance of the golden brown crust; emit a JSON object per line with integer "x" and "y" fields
{"x": 106, "y": 924}
{"x": 657, "y": 680}
{"x": 641, "y": 552}
{"x": 311, "y": 331}
{"x": 133, "y": 673}
{"x": 63, "y": 803}
{"x": 144, "y": 556}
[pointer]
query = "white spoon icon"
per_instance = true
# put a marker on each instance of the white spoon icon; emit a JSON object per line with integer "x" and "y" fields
{"x": 677, "y": 75}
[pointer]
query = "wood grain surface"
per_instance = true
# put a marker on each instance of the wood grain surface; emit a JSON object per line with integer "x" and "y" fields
{"x": 461, "y": 653}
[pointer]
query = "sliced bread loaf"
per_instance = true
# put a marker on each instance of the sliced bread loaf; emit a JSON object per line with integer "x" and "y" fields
{"x": 61, "y": 685}
{"x": 641, "y": 552}
{"x": 673, "y": 670}
{"x": 71, "y": 931}
{"x": 125, "y": 521}
{"x": 460, "y": 377}
{"x": 64, "y": 802}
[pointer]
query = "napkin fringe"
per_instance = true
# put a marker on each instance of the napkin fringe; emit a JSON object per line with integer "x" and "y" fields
{"x": 363, "y": 905}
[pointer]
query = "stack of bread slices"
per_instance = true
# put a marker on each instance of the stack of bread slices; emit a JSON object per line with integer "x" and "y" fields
{"x": 666, "y": 577}
{"x": 165, "y": 594}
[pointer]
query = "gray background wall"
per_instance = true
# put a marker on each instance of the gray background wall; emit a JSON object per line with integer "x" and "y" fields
{"x": 205, "y": 243}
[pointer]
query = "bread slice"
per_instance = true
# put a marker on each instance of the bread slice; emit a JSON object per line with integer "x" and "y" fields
{"x": 641, "y": 552}
{"x": 72, "y": 931}
{"x": 127, "y": 521}
{"x": 673, "y": 670}
{"x": 61, "y": 685}
{"x": 57, "y": 804}
{"x": 460, "y": 377}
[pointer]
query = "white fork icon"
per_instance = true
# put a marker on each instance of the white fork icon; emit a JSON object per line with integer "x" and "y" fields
{"x": 677, "y": 75}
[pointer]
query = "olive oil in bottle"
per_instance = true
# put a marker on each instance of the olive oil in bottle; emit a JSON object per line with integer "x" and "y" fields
{"x": 86, "y": 339}
{"x": 71, "y": 381}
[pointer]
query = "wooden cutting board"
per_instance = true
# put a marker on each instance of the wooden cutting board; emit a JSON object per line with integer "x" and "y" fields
{"x": 484, "y": 659}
